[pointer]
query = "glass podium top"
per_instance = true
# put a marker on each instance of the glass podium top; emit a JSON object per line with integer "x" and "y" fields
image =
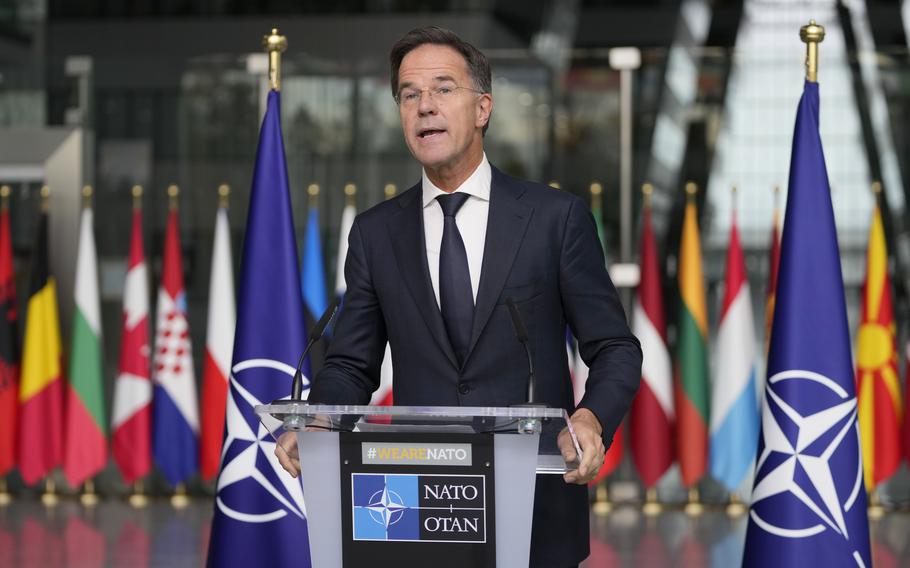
{"x": 281, "y": 418}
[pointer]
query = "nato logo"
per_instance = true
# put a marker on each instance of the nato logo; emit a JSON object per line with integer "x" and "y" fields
{"x": 385, "y": 507}
{"x": 419, "y": 508}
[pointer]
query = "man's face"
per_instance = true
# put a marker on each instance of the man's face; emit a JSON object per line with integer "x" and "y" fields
{"x": 442, "y": 130}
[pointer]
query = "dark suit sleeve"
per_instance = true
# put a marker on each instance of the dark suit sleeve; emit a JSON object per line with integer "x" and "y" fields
{"x": 596, "y": 317}
{"x": 353, "y": 362}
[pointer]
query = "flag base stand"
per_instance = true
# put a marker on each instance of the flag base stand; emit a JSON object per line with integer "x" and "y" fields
{"x": 50, "y": 498}
{"x": 735, "y": 508}
{"x": 602, "y": 505}
{"x": 180, "y": 500}
{"x": 651, "y": 508}
{"x": 138, "y": 499}
{"x": 876, "y": 510}
{"x": 694, "y": 508}
{"x": 5, "y": 496}
{"x": 89, "y": 498}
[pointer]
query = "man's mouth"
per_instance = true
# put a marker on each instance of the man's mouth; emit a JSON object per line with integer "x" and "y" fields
{"x": 427, "y": 133}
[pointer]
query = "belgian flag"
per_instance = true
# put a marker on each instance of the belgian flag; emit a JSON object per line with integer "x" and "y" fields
{"x": 41, "y": 387}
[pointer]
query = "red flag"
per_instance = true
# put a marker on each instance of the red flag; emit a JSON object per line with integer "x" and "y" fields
{"x": 9, "y": 348}
{"x": 652, "y": 416}
{"x": 132, "y": 434}
{"x": 219, "y": 345}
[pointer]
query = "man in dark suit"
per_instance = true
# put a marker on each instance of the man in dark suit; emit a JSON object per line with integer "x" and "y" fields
{"x": 431, "y": 272}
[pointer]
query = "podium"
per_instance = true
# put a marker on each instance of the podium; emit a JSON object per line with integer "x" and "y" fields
{"x": 420, "y": 486}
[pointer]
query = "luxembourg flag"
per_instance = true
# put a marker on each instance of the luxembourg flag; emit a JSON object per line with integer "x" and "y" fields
{"x": 735, "y": 421}
{"x": 174, "y": 408}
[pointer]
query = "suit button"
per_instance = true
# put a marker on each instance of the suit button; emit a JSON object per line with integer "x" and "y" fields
{"x": 464, "y": 388}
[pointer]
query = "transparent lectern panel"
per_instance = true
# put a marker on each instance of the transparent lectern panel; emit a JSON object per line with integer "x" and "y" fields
{"x": 284, "y": 420}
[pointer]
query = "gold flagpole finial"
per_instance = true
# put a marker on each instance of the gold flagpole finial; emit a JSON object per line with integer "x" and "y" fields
{"x": 224, "y": 192}
{"x": 5, "y": 191}
{"x": 647, "y": 190}
{"x": 45, "y": 197}
{"x": 350, "y": 190}
{"x": 137, "y": 196}
{"x": 275, "y": 44}
{"x": 596, "y": 190}
{"x": 876, "y": 187}
{"x": 172, "y": 192}
{"x": 390, "y": 190}
{"x": 313, "y": 191}
{"x": 812, "y": 35}
{"x": 691, "y": 190}
{"x": 555, "y": 184}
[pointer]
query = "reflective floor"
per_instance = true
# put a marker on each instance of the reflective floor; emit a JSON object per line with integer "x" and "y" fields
{"x": 115, "y": 534}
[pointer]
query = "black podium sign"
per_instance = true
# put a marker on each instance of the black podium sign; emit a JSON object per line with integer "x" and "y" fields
{"x": 417, "y": 499}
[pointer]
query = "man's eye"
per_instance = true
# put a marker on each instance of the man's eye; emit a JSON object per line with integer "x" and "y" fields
{"x": 411, "y": 96}
{"x": 444, "y": 90}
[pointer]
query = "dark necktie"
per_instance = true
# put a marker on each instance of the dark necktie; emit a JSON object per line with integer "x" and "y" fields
{"x": 456, "y": 300}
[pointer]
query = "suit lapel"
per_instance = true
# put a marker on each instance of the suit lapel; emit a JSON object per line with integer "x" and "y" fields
{"x": 409, "y": 243}
{"x": 506, "y": 224}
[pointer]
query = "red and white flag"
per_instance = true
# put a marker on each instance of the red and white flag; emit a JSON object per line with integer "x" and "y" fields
{"x": 652, "y": 410}
{"x": 219, "y": 345}
{"x": 132, "y": 412}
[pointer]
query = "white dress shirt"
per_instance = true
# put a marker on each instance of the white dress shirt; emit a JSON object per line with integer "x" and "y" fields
{"x": 471, "y": 220}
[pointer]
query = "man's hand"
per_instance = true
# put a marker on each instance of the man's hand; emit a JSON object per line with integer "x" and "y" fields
{"x": 286, "y": 452}
{"x": 588, "y": 431}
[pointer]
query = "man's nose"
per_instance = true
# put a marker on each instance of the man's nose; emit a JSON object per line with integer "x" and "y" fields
{"x": 426, "y": 104}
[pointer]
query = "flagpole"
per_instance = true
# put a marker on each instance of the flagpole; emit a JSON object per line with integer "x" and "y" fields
{"x": 275, "y": 44}
{"x": 138, "y": 498}
{"x": 49, "y": 497}
{"x": 876, "y": 510}
{"x": 812, "y": 35}
{"x": 224, "y": 194}
{"x": 350, "y": 192}
{"x": 5, "y": 496}
{"x": 313, "y": 192}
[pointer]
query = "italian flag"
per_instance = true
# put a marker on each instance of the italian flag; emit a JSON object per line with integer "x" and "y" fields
{"x": 691, "y": 372}
{"x": 86, "y": 431}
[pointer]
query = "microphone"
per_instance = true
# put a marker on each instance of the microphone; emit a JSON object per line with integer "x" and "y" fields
{"x": 315, "y": 335}
{"x": 521, "y": 332}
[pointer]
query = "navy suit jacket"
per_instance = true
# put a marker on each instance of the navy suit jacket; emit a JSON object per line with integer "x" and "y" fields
{"x": 542, "y": 251}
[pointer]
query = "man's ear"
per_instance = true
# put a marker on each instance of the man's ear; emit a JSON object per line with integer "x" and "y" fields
{"x": 484, "y": 110}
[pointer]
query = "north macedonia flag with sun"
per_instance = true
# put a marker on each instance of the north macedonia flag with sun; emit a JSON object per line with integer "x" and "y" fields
{"x": 877, "y": 384}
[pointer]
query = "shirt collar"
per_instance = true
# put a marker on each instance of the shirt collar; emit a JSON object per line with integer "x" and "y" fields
{"x": 477, "y": 184}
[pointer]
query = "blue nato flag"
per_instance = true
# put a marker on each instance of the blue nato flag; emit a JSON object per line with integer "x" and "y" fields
{"x": 260, "y": 517}
{"x": 808, "y": 501}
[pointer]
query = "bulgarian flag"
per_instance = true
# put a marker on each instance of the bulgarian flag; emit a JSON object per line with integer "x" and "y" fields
{"x": 41, "y": 389}
{"x": 691, "y": 372}
{"x": 219, "y": 345}
{"x": 9, "y": 344}
{"x": 580, "y": 370}
{"x": 877, "y": 382}
{"x": 86, "y": 430}
{"x": 132, "y": 415}
{"x": 652, "y": 414}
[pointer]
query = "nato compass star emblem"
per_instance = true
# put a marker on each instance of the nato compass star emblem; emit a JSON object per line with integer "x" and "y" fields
{"x": 796, "y": 461}
{"x": 386, "y": 507}
{"x": 248, "y": 457}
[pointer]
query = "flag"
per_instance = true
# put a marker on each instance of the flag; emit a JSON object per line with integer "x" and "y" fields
{"x": 651, "y": 420}
{"x": 260, "y": 517}
{"x": 580, "y": 370}
{"x": 877, "y": 381}
{"x": 175, "y": 414}
{"x": 773, "y": 266}
{"x": 906, "y": 430}
{"x": 691, "y": 355}
{"x": 808, "y": 504}
{"x": 41, "y": 388}
{"x": 219, "y": 343}
{"x": 132, "y": 413}
{"x": 9, "y": 348}
{"x": 734, "y": 396}
{"x": 85, "y": 448}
